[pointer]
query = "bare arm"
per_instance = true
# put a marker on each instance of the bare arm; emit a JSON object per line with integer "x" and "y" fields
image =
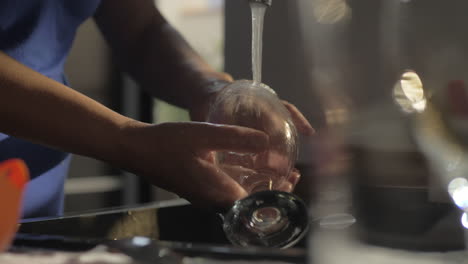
{"x": 154, "y": 53}
{"x": 171, "y": 155}
{"x": 162, "y": 61}
{"x": 40, "y": 109}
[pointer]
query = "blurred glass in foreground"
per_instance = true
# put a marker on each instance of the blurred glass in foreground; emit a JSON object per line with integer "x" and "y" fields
{"x": 391, "y": 77}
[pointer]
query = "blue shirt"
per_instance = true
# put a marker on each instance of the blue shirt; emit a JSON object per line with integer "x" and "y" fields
{"x": 39, "y": 34}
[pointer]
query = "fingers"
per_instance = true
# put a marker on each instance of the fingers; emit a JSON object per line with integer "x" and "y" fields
{"x": 299, "y": 120}
{"x": 286, "y": 187}
{"x": 294, "y": 177}
{"x": 216, "y": 188}
{"x": 232, "y": 138}
{"x": 290, "y": 183}
{"x": 226, "y": 77}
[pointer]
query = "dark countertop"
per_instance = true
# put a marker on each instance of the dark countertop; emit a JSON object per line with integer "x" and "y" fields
{"x": 172, "y": 226}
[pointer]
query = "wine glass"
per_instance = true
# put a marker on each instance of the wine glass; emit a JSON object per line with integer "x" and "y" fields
{"x": 267, "y": 217}
{"x": 245, "y": 103}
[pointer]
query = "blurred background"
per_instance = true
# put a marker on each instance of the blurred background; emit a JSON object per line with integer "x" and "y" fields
{"x": 220, "y": 32}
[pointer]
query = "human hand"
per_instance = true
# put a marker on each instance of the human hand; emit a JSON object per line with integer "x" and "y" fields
{"x": 303, "y": 126}
{"x": 261, "y": 113}
{"x": 178, "y": 158}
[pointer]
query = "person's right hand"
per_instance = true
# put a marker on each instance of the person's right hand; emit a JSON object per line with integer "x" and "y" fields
{"x": 178, "y": 157}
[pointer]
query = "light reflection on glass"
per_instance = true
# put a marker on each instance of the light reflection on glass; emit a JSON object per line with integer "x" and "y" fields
{"x": 455, "y": 184}
{"x": 464, "y": 220}
{"x": 458, "y": 189}
{"x": 408, "y": 93}
{"x": 141, "y": 241}
{"x": 330, "y": 11}
{"x": 288, "y": 130}
{"x": 420, "y": 106}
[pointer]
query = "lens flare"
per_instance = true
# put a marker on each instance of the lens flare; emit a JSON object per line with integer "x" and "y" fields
{"x": 408, "y": 93}
{"x": 464, "y": 220}
{"x": 458, "y": 190}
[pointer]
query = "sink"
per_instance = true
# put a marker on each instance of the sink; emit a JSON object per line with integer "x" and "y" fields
{"x": 175, "y": 220}
{"x": 174, "y": 224}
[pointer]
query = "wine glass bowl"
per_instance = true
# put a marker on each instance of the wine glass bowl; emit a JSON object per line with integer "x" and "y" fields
{"x": 255, "y": 105}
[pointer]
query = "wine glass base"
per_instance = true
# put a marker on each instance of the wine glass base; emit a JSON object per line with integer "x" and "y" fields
{"x": 267, "y": 219}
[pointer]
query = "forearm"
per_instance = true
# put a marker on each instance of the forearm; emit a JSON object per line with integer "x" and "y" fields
{"x": 42, "y": 110}
{"x": 171, "y": 70}
{"x": 154, "y": 53}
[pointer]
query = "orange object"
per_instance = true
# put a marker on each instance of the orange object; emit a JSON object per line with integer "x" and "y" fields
{"x": 14, "y": 175}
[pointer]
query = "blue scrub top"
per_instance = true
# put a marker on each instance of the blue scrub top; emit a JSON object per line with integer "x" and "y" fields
{"x": 39, "y": 34}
